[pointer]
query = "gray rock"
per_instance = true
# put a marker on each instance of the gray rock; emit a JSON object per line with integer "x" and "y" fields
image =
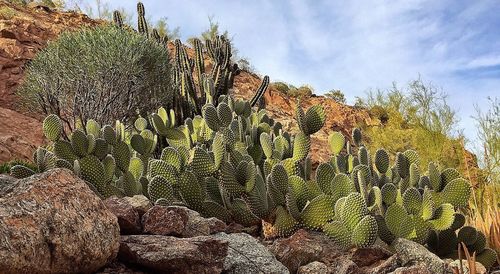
{"x": 343, "y": 265}
{"x": 480, "y": 269}
{"x": 53, "y": 223}
{"x": 167, "y": 254}
{"x": 246, "y": 255}
{"x": 140, "y": 202}
{"x": 414, "y": 269}
{"x": 411, "y": 253}
{"x": 313, "y": 268}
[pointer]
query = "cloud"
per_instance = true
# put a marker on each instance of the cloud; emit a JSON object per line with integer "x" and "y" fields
{"x": 359, "y": 44}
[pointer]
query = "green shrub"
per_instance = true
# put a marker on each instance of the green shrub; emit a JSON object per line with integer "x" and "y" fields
{"x": 281, "y": 86}
{"x": 104, "y": 73}
{"x": 336, "y": 95}
{"x": 303, "y": 91}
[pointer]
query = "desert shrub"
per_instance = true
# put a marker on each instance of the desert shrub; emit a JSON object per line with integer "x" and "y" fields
{"x": 336, "y": 95}
{"x": 303, "y": 91}
{"x": 104, "y": 73}
{"x": 281, "y": 86}
{"x": 379, "y": 113}
{"x": 7, "y": 13}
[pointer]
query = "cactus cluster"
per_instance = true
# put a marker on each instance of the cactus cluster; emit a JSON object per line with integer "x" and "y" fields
{"x": 194, "y": 84}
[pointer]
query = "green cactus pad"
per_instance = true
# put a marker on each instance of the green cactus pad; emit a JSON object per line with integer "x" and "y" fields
{"x": 443, "y": 217}
{"x": 301, "y": 146}
{"x": 354, "y": 210}
{"x": 339, "y": 233}
{"x": 52, "y": 127}
{"x": 365, "y": 233}
{"x": 468, "y": 235}
{"x": 402, "y": 165}
{"x": 20, "y": 172}
{"x": 79, "y": 143}
{"x": 324, "y": 177}
{"x": 389, "y": 193}
{"x": 449, "y": 175}
{"x": 412, "y": 201}
{"x": 314, "y": 119}
{"x": 140, "y": 124}
{"x": 191, "y": 190}
{"x": 284, "y": 224}
{"x": 228, "y": 180}
{"x": 336, "y": 141}
{"x": 382, "y": 161}
{"x": 384, "y": 232}
{"x": 160, "y": 188}
{"x": 457, "y": 192}
{"x": 357, "y": 136}
{"x": 213, "y": 209}
{"x": 341, "y": 186}
{"x": 487, "y": 257}
{"x": 242, "y": 214}
{"x": 202, "y": 163}
{"x": 317, "y": 212}
{"x": 399, "y": 223}
{"x": 480, "y": 242}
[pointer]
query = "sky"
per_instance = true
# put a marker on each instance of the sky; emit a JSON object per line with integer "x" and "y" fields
{"x": 357, "y": 45}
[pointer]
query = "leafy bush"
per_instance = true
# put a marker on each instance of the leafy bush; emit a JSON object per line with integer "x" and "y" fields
{"x": 104, "y": 73}
{"x": 303, "y": 91}
{"x": 5, "y": 167}
{"x": 281, "y": 86}
{"x": 336, "y": 95}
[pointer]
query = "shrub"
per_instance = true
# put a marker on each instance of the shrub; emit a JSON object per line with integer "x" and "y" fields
{"x": 104, "y": 73}
{"x": 7, "y": 13}
{"x": 5, "y": 167}
{"x": 281, "y": 87}
{"x": 303, "y": 91}
{"x": 336, "y": 95}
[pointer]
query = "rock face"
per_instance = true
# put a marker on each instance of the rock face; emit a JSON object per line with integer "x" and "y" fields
{"x": 411, "y": 253}
{"x": 167, "y": 254}
{"x": 246, "y": 255}
{"x": 128, "y": 216}
{"x": 53, "y": 223}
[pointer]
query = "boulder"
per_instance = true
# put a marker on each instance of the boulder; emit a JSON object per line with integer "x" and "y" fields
{"x": 179, "y": 221}
{"x": 141, "y": 203}
{"x": 419, "y": 268}
{"x": 371, "y": 255}
{"x": 167, "y": 254}
{"x": 480, "y": 269}
{"x": 343, "y": 265}
{"x": 313, "y": 268}
{"x": 128, "y": 217}
{"x": 53, "y": 223}
{"x": 411, "y": 253}
{"x": 246, "y": 255}
{"x": 304, "y": 247}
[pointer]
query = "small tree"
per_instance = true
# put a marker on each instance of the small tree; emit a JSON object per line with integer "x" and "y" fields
{"x": 337, "y": 95}
{"x": 104, "y": 73}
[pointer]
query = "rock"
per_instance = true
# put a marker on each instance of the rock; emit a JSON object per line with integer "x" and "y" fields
{"x": 161, "y": 220}
{"x": 343, "y": 265}
{"x": 20, "y": 135}
{"x": 128, "y": 217}
{"x": 304, "y": 247}
{"x": 117, "y": 267}
{"x": 238, "y": 228}
{"x": 179, "y": 221}
{"x": 415, "y": 269}
{"x": 53, "y": 223}
{"x": 367, "y": 256}
{"x": 384, "y": 267}
{"x": 411, "y": 253}
{"x": 6, "y": 180}
{"x": 140, "y": 202}
{"x": 246, "y": 255}
{"x": 480, "y": 269}
{"x": 313, "y": 268}
{"x": 215, "y": 225}
{"x": 167, "y": 254}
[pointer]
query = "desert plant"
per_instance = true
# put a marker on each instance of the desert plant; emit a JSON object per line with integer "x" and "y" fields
{"x": 336, "y": 95}
{"x": 103, "y": 73}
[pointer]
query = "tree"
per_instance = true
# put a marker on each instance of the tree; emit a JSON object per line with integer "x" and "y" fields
{"x": 337, "y": 95}
{"x": 488, "y": 132}
{"x": 163, "y": 29}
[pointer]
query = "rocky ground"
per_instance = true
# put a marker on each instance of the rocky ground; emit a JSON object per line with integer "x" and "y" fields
{"x": 53, "y": 223}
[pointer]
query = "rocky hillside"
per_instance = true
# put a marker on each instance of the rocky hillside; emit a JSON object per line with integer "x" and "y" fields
{"x": 29, "y": 30}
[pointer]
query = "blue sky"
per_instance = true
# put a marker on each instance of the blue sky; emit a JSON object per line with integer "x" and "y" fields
{"x": 357, "y": 45}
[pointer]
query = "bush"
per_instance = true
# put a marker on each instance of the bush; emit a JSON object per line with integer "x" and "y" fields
{"x": 281, "y": 87}
{"x": 5, "y": 167}
{"x": 104, "y": 73}
{"x": 336, "y": 95}
{"x": 303, "y": 91}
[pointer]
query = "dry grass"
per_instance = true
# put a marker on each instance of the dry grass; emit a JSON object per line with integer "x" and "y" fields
{"x": 484, "y": 213}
